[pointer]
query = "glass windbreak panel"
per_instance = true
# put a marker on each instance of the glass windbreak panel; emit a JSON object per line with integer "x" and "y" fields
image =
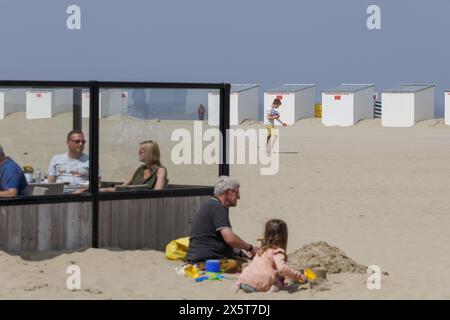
{"x": 37, "y": 158}
{"x": 155, "y": 138}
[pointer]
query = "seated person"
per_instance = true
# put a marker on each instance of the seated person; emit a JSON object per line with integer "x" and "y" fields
{"x": 212, "y": 236}
{"x": 151, "y": 172}
{"x": 12, "y": 178}
{"x": 72, "y": 167}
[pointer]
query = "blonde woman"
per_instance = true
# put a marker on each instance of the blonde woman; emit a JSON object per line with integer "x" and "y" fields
{"x": 151, "y": 172}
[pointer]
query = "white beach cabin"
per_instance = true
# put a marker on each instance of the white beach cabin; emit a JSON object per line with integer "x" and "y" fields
{"x": 405, "y": 105}
{"x": 112, "y": 102}
{"x": 347, "y": 104}
{"x": 297, "y": 101}
{"x": 85, "y": 103}
{"x": 11, "y": 100}
{"x": 447, "y": 107}
{"x": 45, "y": 103}
{"x": 243, "y": 104}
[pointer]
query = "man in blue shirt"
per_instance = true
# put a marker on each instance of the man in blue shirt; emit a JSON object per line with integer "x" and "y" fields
{"x": 12, "y": 179}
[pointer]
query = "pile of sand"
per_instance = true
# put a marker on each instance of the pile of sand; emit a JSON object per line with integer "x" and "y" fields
{"x": 321, "y": 254}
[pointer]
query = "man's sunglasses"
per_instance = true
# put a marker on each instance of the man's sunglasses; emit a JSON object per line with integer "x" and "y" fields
{"x": 79, "y": 141}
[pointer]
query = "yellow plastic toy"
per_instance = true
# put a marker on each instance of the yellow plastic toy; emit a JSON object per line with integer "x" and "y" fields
{"x": 309, "y": 274}
{"x": 191, "y": 271}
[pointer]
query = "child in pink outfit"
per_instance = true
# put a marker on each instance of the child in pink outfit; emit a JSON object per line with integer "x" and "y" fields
{"x": 268, "y": 267}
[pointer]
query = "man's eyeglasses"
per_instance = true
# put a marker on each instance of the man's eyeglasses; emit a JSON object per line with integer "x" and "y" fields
{"x": 237, "y": 192}
{"x": 79, "y": 141}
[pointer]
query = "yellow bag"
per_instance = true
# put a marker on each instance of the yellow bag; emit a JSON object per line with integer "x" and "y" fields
{"x": 177, "y": 249}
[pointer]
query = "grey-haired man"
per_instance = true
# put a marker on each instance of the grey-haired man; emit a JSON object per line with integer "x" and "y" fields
{"x": 212, "y": 236}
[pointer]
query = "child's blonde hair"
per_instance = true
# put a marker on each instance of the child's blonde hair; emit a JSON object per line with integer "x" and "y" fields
{"x": 275, "y": 236}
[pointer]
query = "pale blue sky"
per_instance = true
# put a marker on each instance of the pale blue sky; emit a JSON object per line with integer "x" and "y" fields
{"x": 269, "y": 42}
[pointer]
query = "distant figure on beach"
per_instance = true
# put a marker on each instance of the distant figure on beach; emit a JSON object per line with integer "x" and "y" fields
{"x": 201, "y": 112}
{"x": 273, "y": 115}
{"x": 71, "y": 167}
{"x": 12, "y": 179}
{"x": 151, "y": 172}
{"x": 212, "y": 236}
{"x": 268, "y": 268}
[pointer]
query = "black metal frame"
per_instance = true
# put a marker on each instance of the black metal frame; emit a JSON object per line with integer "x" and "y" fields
{"x": 77, "y": 112}
{"x": 94, "y": 132}
{"x": 224, "y": 126}
{"x": 94, "y": 196}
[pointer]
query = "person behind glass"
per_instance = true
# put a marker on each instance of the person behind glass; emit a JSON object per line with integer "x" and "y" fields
{"x": 201, "y": 112}
{"x": 12, "y": 178}
{"x": 151, "y": 172}
{"x": 72, "y": 167}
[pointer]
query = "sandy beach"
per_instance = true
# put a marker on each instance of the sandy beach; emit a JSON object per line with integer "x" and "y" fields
{"x": 379, "y": 194}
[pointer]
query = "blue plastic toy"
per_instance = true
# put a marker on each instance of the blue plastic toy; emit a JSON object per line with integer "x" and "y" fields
{"x": 212, "y": 266}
